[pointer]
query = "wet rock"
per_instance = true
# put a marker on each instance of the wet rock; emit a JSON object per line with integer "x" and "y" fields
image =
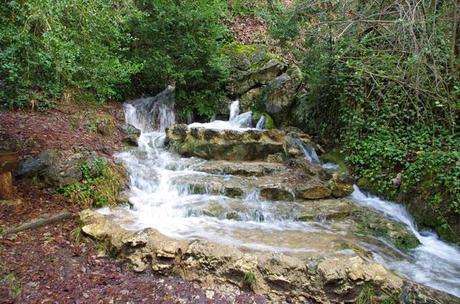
{"x": 312, "y": 191}
{"x": 130, "y": 134}
{"x": 249, "y": 99}
{"x": 240, "y": 168}
{"x": 272, "y": 180}
{"x": 276, "y": 192}
{"x": 373, "y": 224}
{"x": 208, "y": 184}
{"x": 341, "y": 184}
{"x": 227, "y": 144}
{"x": 325, "y": 210}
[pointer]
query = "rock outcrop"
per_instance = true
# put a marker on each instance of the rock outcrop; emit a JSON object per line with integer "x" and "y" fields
{"x": 233, "y": 145}
{"x": 263, "y": 81}
{"x": 331, "y": 279}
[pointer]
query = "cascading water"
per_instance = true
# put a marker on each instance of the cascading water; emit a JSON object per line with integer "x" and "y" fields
{"x": 261, "y": 123}
{"x": 435, "y": 263}
{"x": 161, "y": 203}
{"x": 237, "y": 122}
{"x": 308, "y": 152}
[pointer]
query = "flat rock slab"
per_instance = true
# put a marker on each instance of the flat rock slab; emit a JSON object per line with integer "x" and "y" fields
{"x": 255, "y": 168}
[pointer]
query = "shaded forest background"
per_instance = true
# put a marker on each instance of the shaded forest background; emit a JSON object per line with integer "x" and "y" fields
{"x": 382, "y": 77}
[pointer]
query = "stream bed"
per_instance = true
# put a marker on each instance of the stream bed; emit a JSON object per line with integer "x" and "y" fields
{"x": 159, "y": 200}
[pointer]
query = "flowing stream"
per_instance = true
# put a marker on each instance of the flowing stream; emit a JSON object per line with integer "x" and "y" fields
{"x": 172, "y": 208}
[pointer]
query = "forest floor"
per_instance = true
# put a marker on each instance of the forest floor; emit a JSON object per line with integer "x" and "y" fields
{"x": 48, "y": 264}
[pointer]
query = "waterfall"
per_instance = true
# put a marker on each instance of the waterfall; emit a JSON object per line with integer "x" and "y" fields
{"x": 152, "y": 113}
{"x": 261, "y": 123}
{"x": 234, "y": 109}
{"x": 238, "y": 122}
{"x": 308, "y": 151}
{"x": 160, "y": 202}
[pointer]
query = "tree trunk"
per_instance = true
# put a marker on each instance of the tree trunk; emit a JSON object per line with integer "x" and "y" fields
{"x": 6, "y": 186}
{"x": 8, "y": 162}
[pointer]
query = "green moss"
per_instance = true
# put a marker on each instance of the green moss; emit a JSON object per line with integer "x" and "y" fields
{"x": 269, "y": 123}
{"x": 256, "y": 55}
{"x": 249, "y": 279}
{"x": 336, "y": 157}
{"x": 236, "y": 49}
{"x": 372, "y": 224}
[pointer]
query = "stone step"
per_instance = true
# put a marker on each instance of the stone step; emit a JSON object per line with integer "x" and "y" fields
{"x": 255, "y": 168}
{"x": 281, "y": 187}
{"x": 305, "y": 211}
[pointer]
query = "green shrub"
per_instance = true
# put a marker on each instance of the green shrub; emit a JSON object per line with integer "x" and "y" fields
{"x": 99, "y": 187}
{"x": 48, "y": 47}
{"x": 249, "y": 279}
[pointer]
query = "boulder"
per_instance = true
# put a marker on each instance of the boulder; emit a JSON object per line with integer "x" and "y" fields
{"x": 251, "y": 66}
{"x": 249, "y": 99}
{"x": 279, "y": 95}
{"x": 55, "y": 168}
{"x": 370, "y": 223}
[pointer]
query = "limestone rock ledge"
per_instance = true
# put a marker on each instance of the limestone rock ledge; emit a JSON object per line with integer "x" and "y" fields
{"x": 278, "y": 276}
{"x": 233, "y": 145}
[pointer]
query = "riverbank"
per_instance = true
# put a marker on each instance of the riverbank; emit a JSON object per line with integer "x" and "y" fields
{"x": 51, "y": 264}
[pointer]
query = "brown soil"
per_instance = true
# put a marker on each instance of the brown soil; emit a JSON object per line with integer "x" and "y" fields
{"x": 48, "y": 265}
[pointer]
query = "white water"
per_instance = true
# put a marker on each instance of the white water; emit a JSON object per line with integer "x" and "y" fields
{"x": 261, "y": 123}
{"x": 173, "y": 210}
{"x": 238, "y": 122}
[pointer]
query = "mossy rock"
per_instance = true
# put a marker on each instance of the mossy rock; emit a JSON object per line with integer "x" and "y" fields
{"x": 336, "y": 157}
{"x": 269, "y": 123}
{"x": 251, "y": 66}
{"x": 373, "y": 224}
{"x": 248, "y": 56}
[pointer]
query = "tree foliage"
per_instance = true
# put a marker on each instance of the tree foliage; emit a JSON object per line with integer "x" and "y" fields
{"x": 50, "y": 48}
{"x": 179, "y": 42}
{"x": 108, "y": 49}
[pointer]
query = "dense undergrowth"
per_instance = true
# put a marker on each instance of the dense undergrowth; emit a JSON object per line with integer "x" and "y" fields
{"x": 383, "y": 85}
{"x": 100, "y": 50}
